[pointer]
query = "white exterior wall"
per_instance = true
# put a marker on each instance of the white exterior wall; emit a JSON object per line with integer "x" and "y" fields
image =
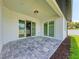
{"x": 60, "y": 29}
{"x": 10, "y": 24}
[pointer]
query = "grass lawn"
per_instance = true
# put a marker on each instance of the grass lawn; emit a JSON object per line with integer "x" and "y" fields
{"x": 74, "y": 47}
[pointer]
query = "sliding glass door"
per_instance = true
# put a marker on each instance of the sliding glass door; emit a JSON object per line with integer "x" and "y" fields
{"x": 27, "y": 28}
{"x": 30, "y": 28}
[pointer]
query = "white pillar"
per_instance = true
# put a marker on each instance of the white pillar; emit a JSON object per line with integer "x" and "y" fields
{"x": 0, "y": 25}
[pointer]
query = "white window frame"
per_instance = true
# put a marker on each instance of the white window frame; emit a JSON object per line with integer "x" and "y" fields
{"x": 25, "y": 28}
{"x": 48, "y": 28}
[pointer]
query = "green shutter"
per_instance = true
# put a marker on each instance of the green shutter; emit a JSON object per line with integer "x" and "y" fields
{"x": 45, "y": 29}
{"x": 51, "y": 28}
{"x": 33, "y": 28}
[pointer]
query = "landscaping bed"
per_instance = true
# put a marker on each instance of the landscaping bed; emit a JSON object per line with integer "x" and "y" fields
{"x": 69, "y": 49}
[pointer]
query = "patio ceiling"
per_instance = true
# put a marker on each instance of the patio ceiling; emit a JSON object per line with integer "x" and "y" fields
{"x": 27, "y": 7}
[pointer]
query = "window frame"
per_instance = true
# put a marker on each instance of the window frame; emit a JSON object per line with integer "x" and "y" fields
{"x": 48, "y": 28}
{"x": 26, "y": 29}
{"x": 22, "y": 29}
{"x": 32, "y": 29}
{"x": 45, "y": 34}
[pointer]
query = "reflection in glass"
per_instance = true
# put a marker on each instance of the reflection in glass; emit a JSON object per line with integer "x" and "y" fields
{"x": 51, "y": 28}
{"x": 33, "y": 28}
{"x": 45, "y": 29}
{"x": 21, "y": 28}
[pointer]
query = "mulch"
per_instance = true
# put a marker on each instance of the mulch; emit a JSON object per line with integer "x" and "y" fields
{"x": 63, "y": 51}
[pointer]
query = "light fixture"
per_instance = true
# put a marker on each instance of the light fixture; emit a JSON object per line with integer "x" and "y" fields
{"x": 36, "y": 11}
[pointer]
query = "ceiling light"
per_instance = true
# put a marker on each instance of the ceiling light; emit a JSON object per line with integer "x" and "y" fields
{"x": 36, "y": 11}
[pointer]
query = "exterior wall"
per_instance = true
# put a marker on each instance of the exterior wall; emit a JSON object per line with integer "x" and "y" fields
{"x": 65, "y": 31}
{"x": 10, "y": 24}
{"x": 60, "y": 29}
{"x": 0, "y": 24}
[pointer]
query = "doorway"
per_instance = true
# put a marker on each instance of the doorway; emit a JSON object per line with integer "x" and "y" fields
{"x": 28, "y": 28}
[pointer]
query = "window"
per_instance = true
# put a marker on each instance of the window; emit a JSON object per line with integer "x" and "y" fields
{"x": 49, "y": 28}
{"x": 45, "y": 29}
{"x": 21, "y": 28}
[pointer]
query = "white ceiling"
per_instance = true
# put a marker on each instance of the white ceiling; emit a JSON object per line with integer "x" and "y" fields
{"x": 28, "y": 6}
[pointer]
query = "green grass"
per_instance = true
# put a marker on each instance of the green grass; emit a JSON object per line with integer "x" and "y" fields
{"x": 74, "y": 50}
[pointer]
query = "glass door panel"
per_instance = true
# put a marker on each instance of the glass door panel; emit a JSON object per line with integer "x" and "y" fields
{"x": 21, "y": 28}
{"x": 45, "y": 29}
{"x": 28, "y": 28}
{"x": 51, "y": 28}
{"x": 33, "y": 28}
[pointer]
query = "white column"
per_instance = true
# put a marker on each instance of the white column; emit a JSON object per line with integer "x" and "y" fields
{"x": 64, "y": 28}
{"x": 60, "y": 29}
{"x": 0, "y": 25}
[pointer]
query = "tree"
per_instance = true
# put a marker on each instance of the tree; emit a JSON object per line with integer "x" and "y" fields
{"x": 77, "y": 24}
{"x": 71, "y": 25}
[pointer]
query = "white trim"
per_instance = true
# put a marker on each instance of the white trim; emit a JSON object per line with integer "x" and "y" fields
{"x": 48, "y": 28}
{"x": 55, "y": 7}
{"x": 25, "y": 29}
{"x": 31, "y": 28}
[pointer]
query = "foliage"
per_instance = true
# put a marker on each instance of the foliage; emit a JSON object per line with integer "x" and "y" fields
{"x": 76, "y": 24}
{"x": 73, "y": 25}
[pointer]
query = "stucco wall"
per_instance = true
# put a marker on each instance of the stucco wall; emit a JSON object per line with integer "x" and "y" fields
{"x": 60, "y": 29}
{"x": 10, "y": 24}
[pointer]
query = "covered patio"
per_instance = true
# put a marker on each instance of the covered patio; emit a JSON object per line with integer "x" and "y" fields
{"x": 32, "y": 28}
